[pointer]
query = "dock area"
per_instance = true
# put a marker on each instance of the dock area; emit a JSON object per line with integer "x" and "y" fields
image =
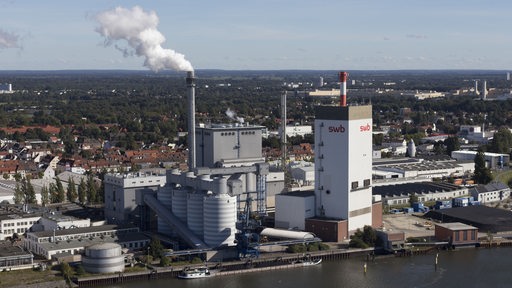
{"x": 265, "y": 263}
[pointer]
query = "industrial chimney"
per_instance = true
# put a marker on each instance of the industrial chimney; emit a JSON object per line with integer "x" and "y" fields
{"x": 191, "y": 86}
{"x": 343, "y": 88}
{"x": 484, "y": 91}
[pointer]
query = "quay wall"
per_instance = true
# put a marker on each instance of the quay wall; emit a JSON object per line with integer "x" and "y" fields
{"x": 283, "y": 261}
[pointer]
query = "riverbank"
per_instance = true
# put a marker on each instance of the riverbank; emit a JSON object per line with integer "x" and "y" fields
{"x": 271, "y": 261}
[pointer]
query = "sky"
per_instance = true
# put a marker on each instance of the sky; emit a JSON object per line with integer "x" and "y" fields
{"x": 257, "y": 35}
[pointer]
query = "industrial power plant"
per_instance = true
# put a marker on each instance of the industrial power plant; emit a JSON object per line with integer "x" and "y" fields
{"x": 210, "y": 207}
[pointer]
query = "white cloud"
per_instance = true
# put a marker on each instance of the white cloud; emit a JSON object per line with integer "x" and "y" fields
{"x": 9, "y": 40}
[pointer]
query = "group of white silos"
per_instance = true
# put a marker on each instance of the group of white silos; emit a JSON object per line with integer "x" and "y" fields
{"x": 203, "y": 204}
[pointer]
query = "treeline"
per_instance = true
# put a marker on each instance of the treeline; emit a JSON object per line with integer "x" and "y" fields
{"x": 85, "y": 192}
{"x": 144, "y": 107}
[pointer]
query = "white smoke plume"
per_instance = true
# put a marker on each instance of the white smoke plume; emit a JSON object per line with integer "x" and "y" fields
{"x": 8, "y": 40}
{"x": 231, "y": 114}
{"x": 139, "y": 29}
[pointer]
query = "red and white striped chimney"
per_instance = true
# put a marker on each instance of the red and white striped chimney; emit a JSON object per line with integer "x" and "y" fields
{"x": 343, "y": 88}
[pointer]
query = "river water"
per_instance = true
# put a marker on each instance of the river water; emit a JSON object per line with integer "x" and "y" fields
{"x": 467, "y": 267}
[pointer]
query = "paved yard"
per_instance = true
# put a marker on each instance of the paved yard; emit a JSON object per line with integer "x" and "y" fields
{"x": 413, "y": 226}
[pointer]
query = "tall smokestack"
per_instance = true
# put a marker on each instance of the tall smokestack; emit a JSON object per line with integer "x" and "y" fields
{"x": 343, "y": 88}
{"x": 191, "y": 91}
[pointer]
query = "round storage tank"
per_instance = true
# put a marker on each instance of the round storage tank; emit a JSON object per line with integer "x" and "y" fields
{"x": 103, "y": 258}
{"x": 164, "y": 195}
{"x": 219, "y": 220}
{"x": 195, "y": 213}
{"x": 179, "y": 204}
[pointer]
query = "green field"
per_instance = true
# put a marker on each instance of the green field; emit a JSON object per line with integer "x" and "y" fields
{"x": 27, "y": 277}
{"x": 504, "y": 176}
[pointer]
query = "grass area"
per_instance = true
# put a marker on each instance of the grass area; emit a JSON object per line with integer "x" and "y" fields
{"x": 503, "y": 176}
{"x": 28, "y": 276}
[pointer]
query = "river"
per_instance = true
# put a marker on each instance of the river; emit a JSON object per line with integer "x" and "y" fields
{"x": 467, "y": 267}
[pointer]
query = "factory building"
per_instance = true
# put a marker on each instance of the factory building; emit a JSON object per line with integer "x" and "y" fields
{"x": 13, "y": 257}
{"x": 491, "y": 193}
{"x": 297, "y": 130}
{"x": 399, "y": 194}
{"x": 228, "y": 145}
{"x": 492, "y": 160}
{"x": 456, "y": 234}
{"x": 124, "y": 196}
{"x": 66, "y": 242}
{"x": 16, "y": 223}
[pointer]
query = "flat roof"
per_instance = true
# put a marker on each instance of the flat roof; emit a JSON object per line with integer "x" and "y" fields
{"x": 417, "y": 187}
{"x": 456, "y": 226}
{"x": 85, "y": 242}
{"x": 80, "y": 230}
{"x": 480, "y": 216}
{"x": 13, "y": 216}
{"x": 8, "y": 250}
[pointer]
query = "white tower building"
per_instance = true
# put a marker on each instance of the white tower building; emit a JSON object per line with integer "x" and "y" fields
{"x": 343, "y": 159}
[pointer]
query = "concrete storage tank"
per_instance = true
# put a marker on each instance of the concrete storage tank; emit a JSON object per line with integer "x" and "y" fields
{"x": 195, "y": 213}
{"x": 219, "y": 220}
{"x": 179, "y": 203}
{"x": 103, "y": 258}
{"x": 164, "y": 196}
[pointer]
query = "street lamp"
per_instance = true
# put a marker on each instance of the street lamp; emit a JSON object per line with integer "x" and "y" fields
{"x": 147, "y": 259}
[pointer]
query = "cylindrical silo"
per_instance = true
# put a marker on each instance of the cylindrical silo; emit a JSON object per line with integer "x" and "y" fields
{"x": 103, "y": 258}
{"x": 179, "y": 203}
{"x": 219, "y": 220}
{"x": 195, "y": 213}
{"x": 164, "y": 196}
{"x": 250, "y": 182}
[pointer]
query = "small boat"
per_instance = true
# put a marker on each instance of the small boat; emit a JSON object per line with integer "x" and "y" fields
{"x": 194, "y": 273}
{"x": 312, "y": 262}
{"x": 308, "y": 262}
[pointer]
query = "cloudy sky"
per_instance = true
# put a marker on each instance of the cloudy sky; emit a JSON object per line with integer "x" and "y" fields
{"x": 262, "y": 34}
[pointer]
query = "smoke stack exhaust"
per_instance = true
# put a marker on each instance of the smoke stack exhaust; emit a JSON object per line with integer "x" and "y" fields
{"x": 343, "y": 88}
{"x": 191, "y": 91}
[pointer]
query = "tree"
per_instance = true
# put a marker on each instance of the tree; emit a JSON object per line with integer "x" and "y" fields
{"x": 67, "y": 271}
{"x": 18, "y": 194}
{"x": 413, "y": 198}
{"x": 155, "y": 247}
{"x": 71, "y": 193}
{"x": 30, "y": 193}
{"x": 501, "y": 141}
{"x": 17, "y": 177}
{"x": 378, "y": 139}
{"x": 61, "y": 194}
{"x": 54, "y": 197}
{"x": 452, "y": 144}
{"x": 363, "y": 239}
{"x": 482, "y": 174}
{"x": 165, "y": 261}
{"x": 82, "y": 191}
{"x": 45, "y": 196}
{"x": 369, "y": 235}
{"x": 92, "y": 191}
